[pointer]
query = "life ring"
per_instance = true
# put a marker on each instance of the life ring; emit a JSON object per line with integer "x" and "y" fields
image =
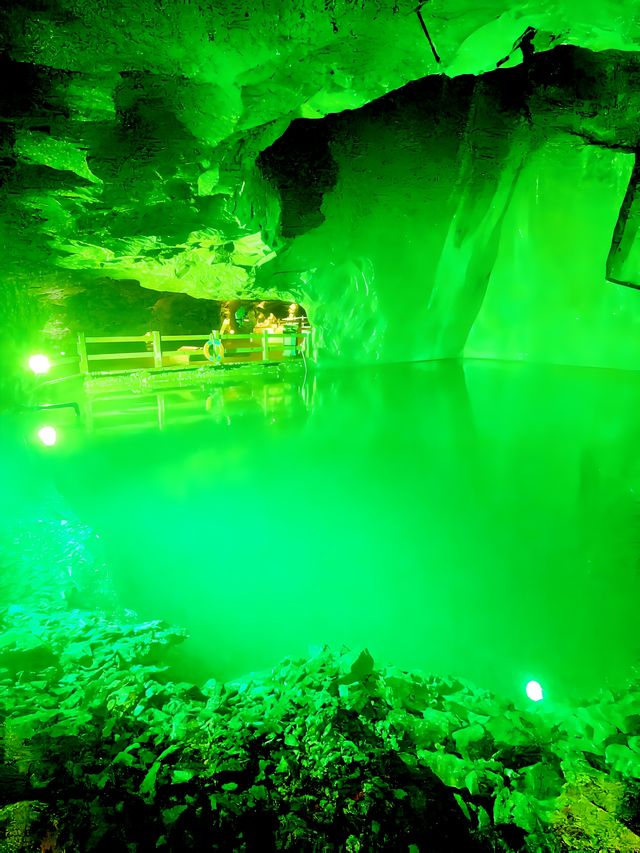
{"x": 213, "y": 350}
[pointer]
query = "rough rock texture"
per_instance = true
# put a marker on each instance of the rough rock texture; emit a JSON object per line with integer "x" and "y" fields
{"x": 134, "y": 147}
{"x": 593, "y": 813}
{"x": 24, "y": 825}
{"x": 475, "y": 216}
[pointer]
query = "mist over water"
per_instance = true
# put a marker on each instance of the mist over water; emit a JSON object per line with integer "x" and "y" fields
{"x": 477, "y": 519}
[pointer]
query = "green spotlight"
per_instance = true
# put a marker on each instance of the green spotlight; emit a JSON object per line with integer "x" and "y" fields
{"x": 39, "y": 363}
{"x": 534, "y": 691}
{"x": 48, "y": 435}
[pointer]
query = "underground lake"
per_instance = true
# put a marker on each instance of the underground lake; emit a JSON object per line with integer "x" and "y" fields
{"x": 478, "y": 519}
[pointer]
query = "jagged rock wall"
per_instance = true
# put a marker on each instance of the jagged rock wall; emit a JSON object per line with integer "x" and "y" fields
{"x": 475, "y": 217}
{"x": 131, "y": 133}
{"x": 547, "y": 297}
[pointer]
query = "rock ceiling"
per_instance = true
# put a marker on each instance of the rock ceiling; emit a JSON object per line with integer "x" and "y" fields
{"x": 133, "y": 131}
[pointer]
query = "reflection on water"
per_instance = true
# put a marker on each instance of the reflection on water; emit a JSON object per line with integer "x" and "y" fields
{"x": 226, "y": 396}
{"x": 478, "y": 519}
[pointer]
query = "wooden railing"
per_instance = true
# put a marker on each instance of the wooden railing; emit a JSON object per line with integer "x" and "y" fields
{"x": 261, "y": 346}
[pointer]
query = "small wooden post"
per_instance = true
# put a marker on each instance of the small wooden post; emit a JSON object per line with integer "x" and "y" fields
{"x": 157, "y": 349}
{"x": 82, "y": 353}
{"x": 265, "y": 345}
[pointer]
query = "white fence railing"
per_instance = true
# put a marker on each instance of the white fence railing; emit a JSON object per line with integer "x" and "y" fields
{"x": 154, "y": 351}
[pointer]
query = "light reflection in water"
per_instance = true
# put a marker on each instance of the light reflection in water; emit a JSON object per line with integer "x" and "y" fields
{"x": 479, "y": 520}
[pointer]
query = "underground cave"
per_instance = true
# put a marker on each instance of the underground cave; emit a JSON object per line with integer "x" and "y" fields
{"x": 319, "y": 414}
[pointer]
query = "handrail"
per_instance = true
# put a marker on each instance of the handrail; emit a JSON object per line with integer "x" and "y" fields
{"x": 266, "y": 341}
{"x": 186, "y": 337}
{"x": 118, "y": 339}
{"x": 116, "y": 356}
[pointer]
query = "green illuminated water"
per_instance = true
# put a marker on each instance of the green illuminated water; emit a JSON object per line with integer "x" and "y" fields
{"x": 478, "y": 519}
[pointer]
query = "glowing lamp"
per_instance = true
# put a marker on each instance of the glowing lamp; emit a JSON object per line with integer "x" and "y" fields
{"x": 39, "y": 363}
{"x": 534, "y": 691}
{"x": 48, "y": 435}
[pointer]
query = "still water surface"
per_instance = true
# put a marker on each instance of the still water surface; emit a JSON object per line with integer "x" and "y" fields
{"x": 478, "y": 519}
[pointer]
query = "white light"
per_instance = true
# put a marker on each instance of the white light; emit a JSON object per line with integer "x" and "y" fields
{"x": 48, "y": 435}
{"x": 534, "y": 691}
{"x": 39, "y": 363}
